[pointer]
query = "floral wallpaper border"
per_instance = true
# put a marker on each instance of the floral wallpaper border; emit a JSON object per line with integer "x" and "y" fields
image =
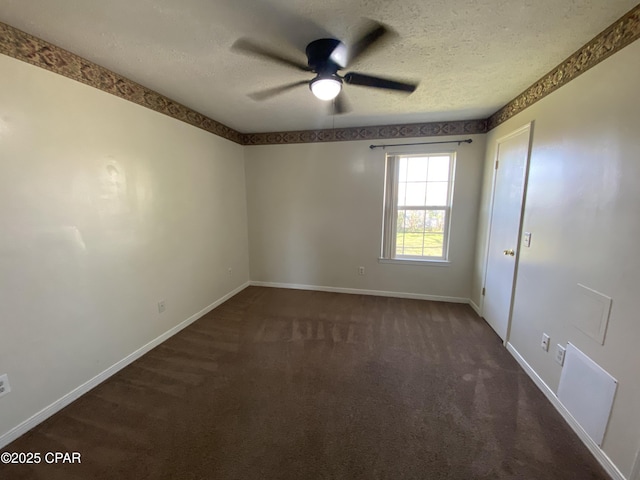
{"x": 22, "y": 46}
{"x": 433, "y": 129}
{"x": 620, "y": 34}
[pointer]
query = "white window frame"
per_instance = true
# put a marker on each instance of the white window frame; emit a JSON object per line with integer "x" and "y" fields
{"x": 389, "y": 223}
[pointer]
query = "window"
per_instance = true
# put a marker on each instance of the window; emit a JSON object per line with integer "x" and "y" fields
{"x": 418, "y": 194}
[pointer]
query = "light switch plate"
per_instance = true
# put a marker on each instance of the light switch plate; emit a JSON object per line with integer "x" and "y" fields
{"x": 526, "y": 239}
{"x": 544, "y": 344}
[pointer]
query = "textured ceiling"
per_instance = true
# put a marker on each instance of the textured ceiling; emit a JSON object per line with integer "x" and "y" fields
{"x": 470, "y": 56}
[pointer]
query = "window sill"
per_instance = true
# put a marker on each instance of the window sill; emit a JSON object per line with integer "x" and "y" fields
{"x": 413, "y": 261}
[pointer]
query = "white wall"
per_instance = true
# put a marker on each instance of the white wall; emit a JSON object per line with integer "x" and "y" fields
{"x": 583, "y": 209}
{"x": 315, "y": 215}
{"x": 105, "y": 209}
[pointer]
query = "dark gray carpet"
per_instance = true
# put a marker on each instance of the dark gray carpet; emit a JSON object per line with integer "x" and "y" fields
{"x": 284, "y": 384}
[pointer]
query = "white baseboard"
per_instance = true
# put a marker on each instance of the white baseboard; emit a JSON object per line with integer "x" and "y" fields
{"x": 593, "y": 447}
{"x": 59, "y": 404}
{"x": 357, "y": 291}
{"x": 475, "y": 307}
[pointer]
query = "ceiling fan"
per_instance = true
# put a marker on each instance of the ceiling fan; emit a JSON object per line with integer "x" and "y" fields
{"x": 326, "y": 57}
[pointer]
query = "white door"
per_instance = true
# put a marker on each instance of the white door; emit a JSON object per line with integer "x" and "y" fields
{"x": 512, "y": 160}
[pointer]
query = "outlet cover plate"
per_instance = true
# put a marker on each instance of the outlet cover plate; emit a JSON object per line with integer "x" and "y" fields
{"x": 560, "y": 351}
{"x": 4, "y": 385}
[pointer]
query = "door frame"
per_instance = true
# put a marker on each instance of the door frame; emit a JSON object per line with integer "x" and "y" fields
{"x": 635, "y": 470}
{"x": 528, "y": 126}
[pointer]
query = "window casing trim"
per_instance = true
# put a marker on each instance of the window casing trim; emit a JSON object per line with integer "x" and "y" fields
{"x": 412, "y": 261}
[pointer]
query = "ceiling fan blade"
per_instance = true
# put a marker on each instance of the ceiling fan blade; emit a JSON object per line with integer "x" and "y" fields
{"x": 272, "y": 92}
{"x": 354, "y": 78}
{"x": 340, "y": 105}
{"x": 366, "y": 41}
{"x": 246, "y": 46}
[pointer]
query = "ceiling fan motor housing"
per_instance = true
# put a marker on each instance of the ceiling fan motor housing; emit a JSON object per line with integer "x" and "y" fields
{"x": 319, "y": 56}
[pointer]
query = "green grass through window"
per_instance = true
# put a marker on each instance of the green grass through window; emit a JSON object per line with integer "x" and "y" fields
{"x": 411, "y": 243}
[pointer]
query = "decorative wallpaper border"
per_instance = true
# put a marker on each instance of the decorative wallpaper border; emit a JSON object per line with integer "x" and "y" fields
{"x": 620, "y": 34}
{"x": 433, "y": 129}
{"x": 22, "y": 46}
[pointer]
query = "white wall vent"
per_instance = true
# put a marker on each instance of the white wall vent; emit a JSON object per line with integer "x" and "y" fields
{"x": 587, "y": 391}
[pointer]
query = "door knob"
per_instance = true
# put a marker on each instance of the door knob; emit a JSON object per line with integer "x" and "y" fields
{"x": 509, "y": 252}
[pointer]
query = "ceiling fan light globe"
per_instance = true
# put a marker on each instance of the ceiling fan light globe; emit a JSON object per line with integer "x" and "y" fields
{"x": 326, "y": 88}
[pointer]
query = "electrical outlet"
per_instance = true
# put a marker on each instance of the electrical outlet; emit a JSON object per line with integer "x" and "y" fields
{"x": 545, "y": 342}
{"x": 230, "y": 271}
{"x": 4, "y": 385}
{"x": 360, "y": 270}
{"x": 161, "y": 306}
{"x": 560, "y": 350}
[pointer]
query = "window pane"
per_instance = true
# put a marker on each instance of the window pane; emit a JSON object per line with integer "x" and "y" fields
{"x": 414, "y": 221}
{"x": 410, "y": 221}
{"x": 399, "y": 244}
{"x": 437, "y": 194}
{"x": 400, "y": 222}
{"x": 434, "y": 221}
{"x": 402, "y": 172}
{"x": 433, "y": 244}
{"x": 417, "y": 169}
{"x": 438, "y": 169}
{"x": 412, "y": 245}
{"x": 415, "y": 194}
{"x": 402, "y": 191}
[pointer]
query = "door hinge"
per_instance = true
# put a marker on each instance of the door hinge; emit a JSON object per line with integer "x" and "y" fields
{"x": 497, "y": 162}
{"x": 483, "y": 290}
